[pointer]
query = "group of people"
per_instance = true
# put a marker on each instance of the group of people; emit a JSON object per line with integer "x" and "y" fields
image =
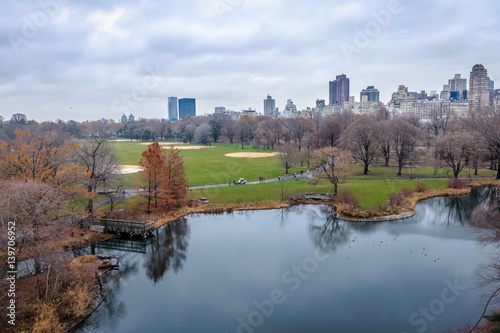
{"x": 262, "y": 179}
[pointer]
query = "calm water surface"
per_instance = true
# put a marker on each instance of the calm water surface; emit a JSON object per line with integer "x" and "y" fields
{"x": 297, "y": 270}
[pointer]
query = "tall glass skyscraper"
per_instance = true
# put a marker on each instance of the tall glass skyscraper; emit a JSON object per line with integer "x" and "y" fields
{"x": 172, "y": 109}
{"x": 187, "y": 108}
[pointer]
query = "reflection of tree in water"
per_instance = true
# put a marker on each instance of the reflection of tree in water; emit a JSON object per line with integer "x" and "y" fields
{"x": 364, "y": 227}
{"x": 326, "y": 230}
{"x": 485, "y": 220}
{"x": 460, "y": 209}
{"x": 170, "y": 251}
{"x": 281, "y": 216}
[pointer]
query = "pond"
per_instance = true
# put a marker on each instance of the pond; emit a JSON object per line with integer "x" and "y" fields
{"x": 298, "y": 270}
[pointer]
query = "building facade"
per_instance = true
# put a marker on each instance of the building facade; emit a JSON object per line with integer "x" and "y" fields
{"x": 478, "y": 94}
{"x": 269, "y": 107}
{"x": 290, "y": 110}
{"x": 339, "y": 90}
{"x": 372, "y": 94}
{"x": 172, "y": 109}
{"x": 187, "y": 108}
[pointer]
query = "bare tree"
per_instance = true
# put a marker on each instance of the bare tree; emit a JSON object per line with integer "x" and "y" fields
{"x": 18, "y": 119}
{"x": 298, "y": 128}
{"x": 487, "y": 122}
{"x": 203, "y": 134}
{"x": 404, "y": 137}
{"x": 335, "y": 163}
{"x": 99, "y": 158}
{"x": 189, "y": 132}
{"x": 243, "y": 129}
{"x": 361, "y": 138}
{"x": 441, "y": 120}
{"x": 288, "y": 155}
{"x": 331, "y": 129}
{"x": 455, "y": 149}
{"x": 385, "y": 142}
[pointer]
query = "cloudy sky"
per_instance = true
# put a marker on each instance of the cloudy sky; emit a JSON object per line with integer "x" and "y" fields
{"x": 87, "y": 59}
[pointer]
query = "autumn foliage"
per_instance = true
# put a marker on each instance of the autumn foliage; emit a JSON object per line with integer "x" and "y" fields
{"x": 163, "y": 178}
{"x": 39, "y": 158}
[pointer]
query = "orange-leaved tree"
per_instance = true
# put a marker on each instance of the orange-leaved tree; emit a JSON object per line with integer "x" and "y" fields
{"x": 151, "y": 177}
{"x": 40, "y": 158}
{"x": 175, "y": 181}
{"x": 163, "y": 177}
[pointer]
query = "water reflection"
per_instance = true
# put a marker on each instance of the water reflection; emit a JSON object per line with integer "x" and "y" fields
{"x": 237, "y": 259}
{"x": 326, "y": 230}
{"x": 169, "y": 251}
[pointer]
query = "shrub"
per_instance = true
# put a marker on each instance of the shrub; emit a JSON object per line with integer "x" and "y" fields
{"x": 457, "y": 183}
{"x": 77, "y": 300}
{"x": 349, "y": 200}
{"x": 420, "y": 187}
{"x": 47, "y": 320}
{"x": 397, "y": 199}
{"x": 407, "y": 192}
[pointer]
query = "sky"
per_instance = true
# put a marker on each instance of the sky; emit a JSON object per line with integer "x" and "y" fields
{"x": 87, "y": 59}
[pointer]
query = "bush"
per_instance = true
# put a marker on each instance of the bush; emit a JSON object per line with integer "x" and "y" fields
{"x": 47, "y": 320}
{"x": 457, "y": 184}
{"x": 397, "y": 199}
{"x": 420, "y": 187}
{"x": 407, "y": 192}
{"x": 76, "y": 301}
{"x": 349, "y": 200}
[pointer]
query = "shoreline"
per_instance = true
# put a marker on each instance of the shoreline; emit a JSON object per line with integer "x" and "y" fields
{"x": 269, "y": 205}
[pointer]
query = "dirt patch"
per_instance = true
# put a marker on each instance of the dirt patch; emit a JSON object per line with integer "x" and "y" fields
{"x": 128, "y": 169}
{"x": 252, "y": 155}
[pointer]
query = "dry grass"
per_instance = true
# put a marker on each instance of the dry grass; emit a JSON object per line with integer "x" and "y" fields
{"x": 85, "y": 259}
{"x": 47, "y": 320}
{"x": 76, "y": 301}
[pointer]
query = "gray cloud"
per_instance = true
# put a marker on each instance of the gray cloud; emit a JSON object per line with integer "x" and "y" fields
{"x": 88, "y": 54}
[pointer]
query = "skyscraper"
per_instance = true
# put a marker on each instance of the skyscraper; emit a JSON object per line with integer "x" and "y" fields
{"x": 187, "y": 108}
{"x": 491, "y": 84}
{"x": 339, "y": 90}
{"x": 372, "y": 94}
{"x": 460, "y": 85}
{"x": 269, "y": 106}
{"x": 172, "y": 109}
{"x": 478, "y": 94}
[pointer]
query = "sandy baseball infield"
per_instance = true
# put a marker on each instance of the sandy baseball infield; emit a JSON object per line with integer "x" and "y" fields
{"x": 128, "y": 169}
{"x": 251, "y": 155}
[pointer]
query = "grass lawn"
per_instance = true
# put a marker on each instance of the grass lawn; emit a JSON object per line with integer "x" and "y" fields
{"x": 211, "y": 166}
{"x": 390, "y": 172}
{"x": 370, "y": 193}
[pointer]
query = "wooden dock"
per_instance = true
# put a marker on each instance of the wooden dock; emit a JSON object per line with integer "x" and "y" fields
{"x": 142, "y": 228}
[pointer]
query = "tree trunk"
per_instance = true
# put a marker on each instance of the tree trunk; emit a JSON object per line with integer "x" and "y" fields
{"x": 399, "y": 169}
{"x": 335, "y": 190}
{"x": 366, "y": 169}
{"x": 498, "y": 173}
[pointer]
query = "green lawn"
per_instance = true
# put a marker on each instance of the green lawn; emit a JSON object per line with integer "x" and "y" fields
{"x": 390, "y": 172}
{"x": 211, "y": 166}
{"x": 370, "y": 193}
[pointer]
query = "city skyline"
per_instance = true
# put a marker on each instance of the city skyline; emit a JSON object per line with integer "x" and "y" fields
{"x": 89, "y": 60}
